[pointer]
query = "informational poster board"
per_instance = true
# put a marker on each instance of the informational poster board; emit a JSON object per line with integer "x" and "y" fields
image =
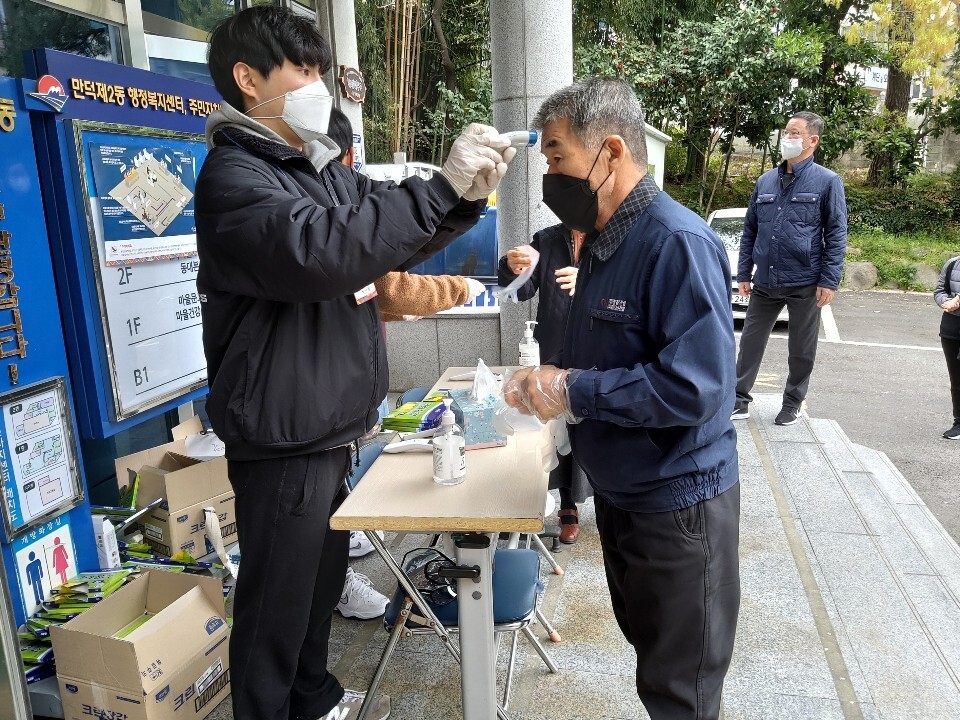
{"x": 45, "y": 559}
{"x": 139, "y": 186}
{"x": 37, "y": 457}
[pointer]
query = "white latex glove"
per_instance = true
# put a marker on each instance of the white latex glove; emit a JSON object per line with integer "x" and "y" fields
{"x": 411, "y": 318}
{"x": 476, "y": 287}
{"x": 486, "y": 182}
{"x": 470, "y": 154}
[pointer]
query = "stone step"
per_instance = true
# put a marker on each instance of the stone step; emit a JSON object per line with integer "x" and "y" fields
{"x": 887, "y": 571}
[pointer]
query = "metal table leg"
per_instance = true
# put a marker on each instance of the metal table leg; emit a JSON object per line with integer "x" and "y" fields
{"x": 475, "y": 602}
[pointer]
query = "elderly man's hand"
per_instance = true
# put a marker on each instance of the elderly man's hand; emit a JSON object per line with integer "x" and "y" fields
{"x": 824, "y": 296}
{"x": 540, "y": 391}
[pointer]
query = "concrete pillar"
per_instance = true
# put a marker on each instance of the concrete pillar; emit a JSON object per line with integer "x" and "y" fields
{"x": 531, "y": 53}
{"x": 338, "y": 23}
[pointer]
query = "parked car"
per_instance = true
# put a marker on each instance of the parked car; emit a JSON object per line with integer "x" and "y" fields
{"x": 728, "y": 224}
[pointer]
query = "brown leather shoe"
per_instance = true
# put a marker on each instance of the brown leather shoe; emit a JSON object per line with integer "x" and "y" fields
{"x": 569, "y": 525}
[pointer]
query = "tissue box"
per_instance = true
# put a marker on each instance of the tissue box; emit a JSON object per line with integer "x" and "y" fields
{"x": 478, "y": 427}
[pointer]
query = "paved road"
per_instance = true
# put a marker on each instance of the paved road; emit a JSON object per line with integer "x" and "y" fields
{"x": 881, "y": 374}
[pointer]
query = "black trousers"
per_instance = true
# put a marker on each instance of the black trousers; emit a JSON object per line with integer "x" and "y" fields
{"x": 674, "y": 581}
{"x": 765, "y": 305}
{"x": 291, "y": 577}
{"x": 951, "y": 351}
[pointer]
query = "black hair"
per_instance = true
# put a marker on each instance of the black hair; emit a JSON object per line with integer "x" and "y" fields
{"x": 263, "y": 37}
{"x": 340, "y": 131}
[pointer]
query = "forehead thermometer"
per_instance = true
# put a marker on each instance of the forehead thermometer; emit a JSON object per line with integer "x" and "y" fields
{"x": 521, "y": 138}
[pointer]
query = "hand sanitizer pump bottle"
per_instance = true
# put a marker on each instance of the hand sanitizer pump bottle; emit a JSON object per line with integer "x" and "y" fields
{"x": 449, "y": 461}
{"x": 529, "y": 347}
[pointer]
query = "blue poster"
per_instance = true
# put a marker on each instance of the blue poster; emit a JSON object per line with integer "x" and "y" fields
{"x": 142, "y": 194}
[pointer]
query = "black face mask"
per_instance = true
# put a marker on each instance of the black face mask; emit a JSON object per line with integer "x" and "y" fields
{"x": 572, "y": 200}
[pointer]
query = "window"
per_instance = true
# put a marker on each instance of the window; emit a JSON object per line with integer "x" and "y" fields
{"x": 27, "y": 25}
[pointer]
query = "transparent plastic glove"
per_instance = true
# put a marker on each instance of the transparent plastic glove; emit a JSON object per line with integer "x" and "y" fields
{"x": 567, "y": 279}
{"x": 509, "y": 420}
{"x": 540, "y": 391}
{"x": 561, "y": 438}
{"x": 485, "y": 386}
{"x": 486, "y": 182}
{"x": 510, "y": 291}
{"x": 470, "y": 154}
{"x": 476, "y": 287}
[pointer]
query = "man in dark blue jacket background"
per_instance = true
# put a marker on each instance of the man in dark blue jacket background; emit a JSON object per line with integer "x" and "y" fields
{"x": 646, "y": 379}
{"x": 796, "y": 235}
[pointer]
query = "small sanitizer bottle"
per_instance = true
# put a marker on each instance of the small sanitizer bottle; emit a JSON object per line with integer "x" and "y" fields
{"x": 449, "y": 461}
{"x": 529, "y": 347}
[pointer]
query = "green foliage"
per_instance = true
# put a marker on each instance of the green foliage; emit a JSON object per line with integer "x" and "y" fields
{"x": 440, "y": 113}
{"x": 895, "y": 255}
{"x": 927, "y": 203}
{"x": 893, "y": 147}
{"x": 831, "y": 90}
{"x": 717, "y": 80}
{"x": 454, "y": 111}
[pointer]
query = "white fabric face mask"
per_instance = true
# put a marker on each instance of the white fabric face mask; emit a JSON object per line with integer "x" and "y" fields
{"x": 305, "y": 110}
{"x": 790, "y": 147}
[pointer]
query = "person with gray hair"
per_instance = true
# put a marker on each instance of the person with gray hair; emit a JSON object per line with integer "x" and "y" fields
{"x": 792, "y": 250}
{"x": 645, "y": 380}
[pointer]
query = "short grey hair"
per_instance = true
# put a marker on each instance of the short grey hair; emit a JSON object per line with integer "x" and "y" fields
{"x": 598, "y": 107}
{"x": 815, "y": 123}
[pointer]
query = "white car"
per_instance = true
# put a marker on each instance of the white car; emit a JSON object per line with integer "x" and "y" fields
{"x": 728, "y": 224}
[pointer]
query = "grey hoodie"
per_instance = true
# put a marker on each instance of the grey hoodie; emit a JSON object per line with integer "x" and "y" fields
{"x": 319, "y": 152}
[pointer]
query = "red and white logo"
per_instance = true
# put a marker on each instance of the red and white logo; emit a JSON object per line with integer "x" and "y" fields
{"x": 50, "y": 91}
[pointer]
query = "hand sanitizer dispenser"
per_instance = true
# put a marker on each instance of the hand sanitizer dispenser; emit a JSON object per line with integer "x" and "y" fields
{"x": 529, "y": 347}
{"x": 449, "y": 461}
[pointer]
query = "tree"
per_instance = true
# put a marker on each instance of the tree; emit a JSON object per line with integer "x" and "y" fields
{"x": 427, "y": 67}
{"x": 918, "y": 38}
{"x": 718, "y": 80}
{"x": 834, "y": 91}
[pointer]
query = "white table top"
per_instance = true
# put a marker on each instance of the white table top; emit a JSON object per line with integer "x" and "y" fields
{"x": 504, "y": 490}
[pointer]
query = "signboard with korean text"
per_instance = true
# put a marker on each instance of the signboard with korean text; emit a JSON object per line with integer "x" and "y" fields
{"x": 45, "y": 559}
{"x": 38, "y": 464}
{"x": 124, "y": 149}
{"x": 138, "y": 186}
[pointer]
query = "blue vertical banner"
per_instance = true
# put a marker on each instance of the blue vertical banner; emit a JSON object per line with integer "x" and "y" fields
{"x": 122, "y": 149}
{"x": 43, "y": 488}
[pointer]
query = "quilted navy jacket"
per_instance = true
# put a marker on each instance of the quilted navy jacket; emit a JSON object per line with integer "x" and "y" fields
{"x": 795, "y": 236}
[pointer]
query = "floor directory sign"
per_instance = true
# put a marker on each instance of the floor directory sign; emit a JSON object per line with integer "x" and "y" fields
{"x": 139, "y": 186}
{"x": 37, "y": 461}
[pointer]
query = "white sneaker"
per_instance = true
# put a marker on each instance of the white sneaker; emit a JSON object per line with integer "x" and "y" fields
{"x": 349, "y": 707}
{"x": 359, "y": 599}
{"x": 359, "y": 545}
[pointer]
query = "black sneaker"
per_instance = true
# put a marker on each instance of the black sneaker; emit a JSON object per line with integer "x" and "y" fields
{"x": 953, "y": 433}
{"x": 787, "y": 416}
{"x": 741, "y": 411}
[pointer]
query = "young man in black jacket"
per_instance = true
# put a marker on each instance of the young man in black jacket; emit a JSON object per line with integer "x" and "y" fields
{"x": 290, "y": 242}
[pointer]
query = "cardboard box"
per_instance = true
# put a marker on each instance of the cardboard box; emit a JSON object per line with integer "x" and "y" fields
{"x": 187, "y": 485}
{"x": 175, "y": 665}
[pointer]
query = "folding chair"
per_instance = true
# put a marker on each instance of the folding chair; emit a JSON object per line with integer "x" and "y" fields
{"x": 516, "y": 585}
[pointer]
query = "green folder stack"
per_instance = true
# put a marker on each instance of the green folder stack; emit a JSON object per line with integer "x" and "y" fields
{"x": 416, "y": 416}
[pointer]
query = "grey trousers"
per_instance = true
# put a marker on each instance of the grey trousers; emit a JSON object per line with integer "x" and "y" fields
{"x": 765, "y": 305}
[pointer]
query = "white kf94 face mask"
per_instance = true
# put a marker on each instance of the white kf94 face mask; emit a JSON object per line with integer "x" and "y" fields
{"x": 790, "y": 148}
{"x": 305, "y": 110}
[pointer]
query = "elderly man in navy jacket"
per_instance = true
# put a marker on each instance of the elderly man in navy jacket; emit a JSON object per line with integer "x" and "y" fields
{"x": 796, "y": 236}
{"x": 645, "y": 377}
